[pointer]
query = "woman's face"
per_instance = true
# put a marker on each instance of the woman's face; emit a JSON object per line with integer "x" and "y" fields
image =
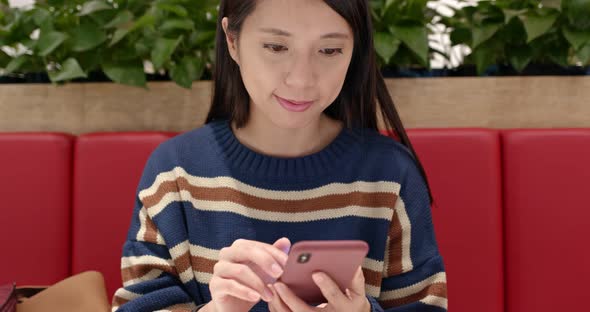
{"x": 294, "y": 50}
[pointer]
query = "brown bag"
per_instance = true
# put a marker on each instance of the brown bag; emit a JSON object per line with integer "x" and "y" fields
{"x": 83, "y": 292}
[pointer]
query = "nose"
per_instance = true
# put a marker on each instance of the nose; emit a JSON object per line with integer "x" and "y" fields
{"x": 301, "y": 74}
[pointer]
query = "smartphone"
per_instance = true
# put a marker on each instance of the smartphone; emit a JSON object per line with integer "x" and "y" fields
{"x": 338, "y": 258}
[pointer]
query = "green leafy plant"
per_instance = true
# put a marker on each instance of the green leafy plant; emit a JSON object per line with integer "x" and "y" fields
{"x": 71, "y": 38}
{"x": 401, "y": 32}
{"x": 523, "y": 32}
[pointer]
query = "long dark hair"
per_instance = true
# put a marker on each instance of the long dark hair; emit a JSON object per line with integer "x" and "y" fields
{"x": 363, "y": 94}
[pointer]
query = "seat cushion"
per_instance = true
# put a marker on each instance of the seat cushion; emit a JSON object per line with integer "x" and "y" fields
{"x": 107, "y": 170}
{"x": 546, "y": 179}
{"x": 35, "y": 209}
{"x": 464, "y": 171}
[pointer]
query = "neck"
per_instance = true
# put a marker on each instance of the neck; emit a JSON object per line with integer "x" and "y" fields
{"x": 266, "y": 138}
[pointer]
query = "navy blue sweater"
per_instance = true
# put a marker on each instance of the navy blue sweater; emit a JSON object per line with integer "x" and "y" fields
{"x": 203, "y": 189}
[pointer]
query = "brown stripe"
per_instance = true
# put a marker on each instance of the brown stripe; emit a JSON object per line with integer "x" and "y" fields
{"x": 203, "y": 264}
{"x": 137, "y": 271}
{"x": 179, "y": 308}
{"x": 372, "y": 278}
{"x": 151, "y": 233}
{"x": 224, "y": 194}
{"x": 118, "y": 301}
{"x": 183, "y": 262}
{"x": 436, "y": 289}
{"x": 395, "y": 247}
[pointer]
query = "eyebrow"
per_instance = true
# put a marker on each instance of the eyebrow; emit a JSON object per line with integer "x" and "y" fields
{"x": 280, "y": 32}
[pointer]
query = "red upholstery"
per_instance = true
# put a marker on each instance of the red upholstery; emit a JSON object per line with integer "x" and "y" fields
{"x": 547, "y": 174}
{"x": 537, "y": 180}
{"x": 464, "y": 171}
{"x": 107, "y": 170}
{"x": 35, "y": 171}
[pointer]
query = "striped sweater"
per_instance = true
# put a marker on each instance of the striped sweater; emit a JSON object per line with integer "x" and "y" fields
{"x": 203, "y": 189}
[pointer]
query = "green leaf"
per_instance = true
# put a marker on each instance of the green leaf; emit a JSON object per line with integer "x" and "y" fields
{"x": 201, "y": 38}
{"x": 94, "y": 6}
{"x": 510, "y": 14}
{"x": 16, "y": 63}
{"x": 584, "y": 54}
{"x": 536, "y": 25}
{"x": 484, "y": 56}
{"x": 416, "y": 38}
{"x": 4, "y": 59}
{"x": 187, "y": 71}
{"x": 576, "y": 38}
{"x": 461, "y": 35}
{"x": 122, "y": 17}
{"x": 386, "y": 45}
{"x": 49, "y": 41}
{"x": 554, "y": 4}
{"x": 41, "y": 16}
{"x": 128, "y": 73}
{"x": 176, "y": 9}
{"x": 70, "y": 70}
{"x": 520, "y": 57}
{"x": 119, "y": 35}
{"x": 577, "y": 12}
{"x": 483, "y": 33}
{"x": 177, "y": 24}
{"x": 86, "y": 37}
{"x": 163, "y": 50}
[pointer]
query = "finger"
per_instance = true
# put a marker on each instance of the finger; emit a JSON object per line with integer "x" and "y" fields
{"x": 267, "y": 257}
{"x": 357, "y": 286}
{"x": 330, "y": 289}
{"x": 221, "y": 288}
{"x": 244, "y": 275}
{"x": 283, "y": 244}
{"x": 277, "y": 303}
{"x": 291, "y": 300}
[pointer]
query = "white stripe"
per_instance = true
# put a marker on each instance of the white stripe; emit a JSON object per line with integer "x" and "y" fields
{"x": 187, "y": 275}
{"x": 151, "y": 260}
{"x": 435, "y": 301}
{"x": 330, "y": 189}
{"x": 188, "y": 305}
{"x": 413, "y": 289}
{"x": 357, "y": 211}
{"x": 373, "y": 265}
{"x": 404, "y": 220}
{"x": 126, "y": 294}
{"x": 142, "y": 225}
{"x": 203, "y": 277}
{"x": 179, "y": 250}
{"x": 143, "y": 228}
{"x": 153, "y": 274}
{"x": 203, "y": 252}
{"x": 372, "y": 290}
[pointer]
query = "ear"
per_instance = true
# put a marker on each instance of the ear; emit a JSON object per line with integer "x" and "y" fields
{"x": 231, "y": 41}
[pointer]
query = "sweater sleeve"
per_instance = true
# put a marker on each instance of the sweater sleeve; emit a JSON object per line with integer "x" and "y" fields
{"x": 414, "y": 277}
{"x": 154, "y": 273}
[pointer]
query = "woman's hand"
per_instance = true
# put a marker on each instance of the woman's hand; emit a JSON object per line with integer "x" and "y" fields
{"x": 353, "y": 300}
{"x": 242, "y": 273}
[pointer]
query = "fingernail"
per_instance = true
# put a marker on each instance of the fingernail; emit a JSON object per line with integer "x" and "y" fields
{"x": 276, "y": 269}
{"x": 317, "y": 277}
{"x": 254, "y": 296}
{"x": 268, "y": 295}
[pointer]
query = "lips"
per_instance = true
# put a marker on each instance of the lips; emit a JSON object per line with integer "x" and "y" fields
{"x": 294, "y": 106}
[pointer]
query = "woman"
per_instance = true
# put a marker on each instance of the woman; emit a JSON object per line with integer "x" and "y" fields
{"x": 290, "y": 152}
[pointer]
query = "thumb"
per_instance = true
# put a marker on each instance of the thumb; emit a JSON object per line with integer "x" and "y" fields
{"x": 358, "y": 283}
{"x": 284, "y": 244}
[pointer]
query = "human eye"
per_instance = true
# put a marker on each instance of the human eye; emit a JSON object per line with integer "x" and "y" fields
{"x": 274, "y": 48}
{"x": 332, "y": 52}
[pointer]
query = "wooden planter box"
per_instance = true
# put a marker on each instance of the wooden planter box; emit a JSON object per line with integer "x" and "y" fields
{"x": 498, "y": 102}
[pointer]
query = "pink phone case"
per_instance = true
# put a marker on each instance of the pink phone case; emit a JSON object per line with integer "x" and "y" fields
{"x": 339, "y": 259}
